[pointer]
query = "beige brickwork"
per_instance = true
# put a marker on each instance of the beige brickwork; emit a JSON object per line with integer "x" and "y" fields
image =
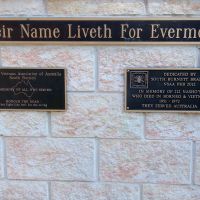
{"x": 172, "y": 192}
{"x": 168, "y": 7}
{"x": 95, "y": 150}
{"x": 91, "y": 191}
{"x": 152, "y": 161}
{"x": 95, "y": 7}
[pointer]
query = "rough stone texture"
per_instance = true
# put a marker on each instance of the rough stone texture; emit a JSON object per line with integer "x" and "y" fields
{"x": 91, "y": 191}
{"x": 197, "y": 164}
{"x": 145, "y": 161}
{"x": 96, "y": 115}
{"x": 172, "y": 126}
{"x": 23, "y": 123}
{"x": 95, "y": 7}
{"x": 1, "y": 159}
{"x": 26, "y": 190}
{"x": 22, "y": 7}
{"x": 114, "y": 60}
{"x": 171, "y": 192}
{"x": 163, "y": 7}
{"x": 50, "y": 159}
{"x": 79, "y": 62}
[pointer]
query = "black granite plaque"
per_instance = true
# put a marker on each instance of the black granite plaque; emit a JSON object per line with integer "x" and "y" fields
{"x": 37, "y": 89}
{"x": 151, "y": 90}
{"x": 100, "y": 30}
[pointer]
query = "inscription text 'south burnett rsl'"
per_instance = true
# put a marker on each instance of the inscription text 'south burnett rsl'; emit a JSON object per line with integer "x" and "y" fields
{"x": 163, "y": 89}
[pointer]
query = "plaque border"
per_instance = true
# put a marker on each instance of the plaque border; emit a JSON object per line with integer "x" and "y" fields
{"x": 155, "y": 111}
{"x": 98, "y": 43}
{"x": 40, "y": 110}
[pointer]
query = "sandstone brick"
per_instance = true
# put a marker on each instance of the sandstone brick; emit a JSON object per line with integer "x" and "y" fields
{"x": 1, "y": 159}
{"x": 168, "y": 7}
{"x": 26, "y": 190}
{"x": 91, "y": 191}
{"x": 91, "y": 7}
{"x": 79, "y": 62}
{"x": 23, "y": 124}
{"x": 50, "y": 159}
{"x": 171, "y": 192}
{"x": 197, "y": 164}
{"x": 172, "y": 126}
{"x": 22, "y": 7}
{"x": 145, "y": 161}
{"x": 96, "y": 115}
{"x": 113, "y": 61}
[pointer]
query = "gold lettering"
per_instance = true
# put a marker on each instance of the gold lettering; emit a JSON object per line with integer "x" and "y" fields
{"x": 123, "y": 30}
{"x": 154, "y": 30}
{"x": 25, "y": 30}
{"x": 5, "y": 32}
{"x": 127, "y": 32}
{"x": 178, "y": 32}
{"x": 70, "y": 32}
{"x": 43, "y": 33}
{"x": 107, "y": 32}
{"x": 171, "y": 33}
{"x": 56, "y": 33}
{"x": 190, "y": 33}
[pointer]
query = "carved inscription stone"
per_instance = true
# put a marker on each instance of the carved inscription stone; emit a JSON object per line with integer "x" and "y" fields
{"x": 162, "y": 90}
{"x": 38, "y": 89}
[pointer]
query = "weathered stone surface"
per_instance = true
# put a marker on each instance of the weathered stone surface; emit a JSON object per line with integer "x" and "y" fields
{"x": 23, "y": 123}
{"x": 26, "y": 190}
{"x": 114, "y": 60}
{"x": 172, "y": 126}
{"x": 91, "y": 7}
{"x": 91, "y": 191}
{"x": 171, "y": 192}
{"x": 79, "y": 62}
{"x": 50, "y": 159}
{"x": 96, "y": 115}
{"x": 1, "y": 159}
{"x": 197, "y": 164}
{"x": 22, "y": 7}
{"x": 145, "y": 161}
{"x": 162, "y": 7}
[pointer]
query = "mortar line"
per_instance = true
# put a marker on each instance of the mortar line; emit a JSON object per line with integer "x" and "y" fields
{"x": 128, "y": 16}
{"x": 49, "y": 124}
{"x": 146, "y": 3}
{"x": 5, "y": 158}
{"x": 45, "y": 3}
{"x": 96, "y": 70}
{"x": 103, "y": 138}
{"x": 1, "y": 56}
{"x": 104, "y": 92}
{"x": 49, "y": 190}
{"x": 144, "y": 127}
{"x": 197, "y": 64}
{"x": 141, "y": 192}
{"x": 91, "y": 181}
{"x": 193, "y": 162}
{"x": 96, "y": 160}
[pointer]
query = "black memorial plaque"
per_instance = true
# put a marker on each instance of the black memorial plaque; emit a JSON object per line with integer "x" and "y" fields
{"x": 151, "y": 90}
{"x": 37, "y": 89}
{"x": 100, "y": 30}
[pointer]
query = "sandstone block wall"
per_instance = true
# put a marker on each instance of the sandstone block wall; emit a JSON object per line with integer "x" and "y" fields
{"x": 94, "y": 150}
